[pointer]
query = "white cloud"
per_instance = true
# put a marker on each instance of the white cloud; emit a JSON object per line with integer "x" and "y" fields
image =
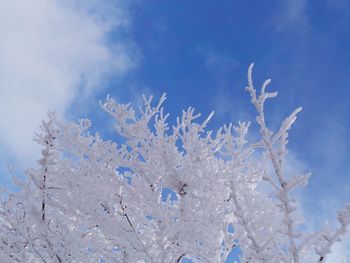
{"x": 52, "y": 52}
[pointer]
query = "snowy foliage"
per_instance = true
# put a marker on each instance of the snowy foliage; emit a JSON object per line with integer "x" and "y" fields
{"x": 162, "y": 195}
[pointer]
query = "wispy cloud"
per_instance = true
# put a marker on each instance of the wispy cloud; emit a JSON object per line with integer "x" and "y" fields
{"x": 340, "y": 251}
{"x": 52, "y": 52}
{"x": 222, "y": 67}
{"x": 216, "y": 63}
{"x": 328, "y": 189}
{"x": 318, "y": 216}
{"x": 291, "y": 13}
{"x": 220, "y": 62}
{"x": 337, "y": 4}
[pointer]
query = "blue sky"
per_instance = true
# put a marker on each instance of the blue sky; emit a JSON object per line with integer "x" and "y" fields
{"x": 67, "y": 55}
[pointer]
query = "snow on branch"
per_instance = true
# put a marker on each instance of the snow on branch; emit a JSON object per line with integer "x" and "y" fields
{"x": 163, "y": 194}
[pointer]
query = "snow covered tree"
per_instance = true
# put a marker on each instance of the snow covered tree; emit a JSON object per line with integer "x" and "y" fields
{"x": 161, "y": 195}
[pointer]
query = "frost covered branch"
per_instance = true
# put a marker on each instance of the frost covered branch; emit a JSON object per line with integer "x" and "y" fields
{"x": 162, "y": 194}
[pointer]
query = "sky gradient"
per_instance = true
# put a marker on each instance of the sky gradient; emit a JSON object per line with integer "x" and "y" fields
{"x": 68, "y": 55}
